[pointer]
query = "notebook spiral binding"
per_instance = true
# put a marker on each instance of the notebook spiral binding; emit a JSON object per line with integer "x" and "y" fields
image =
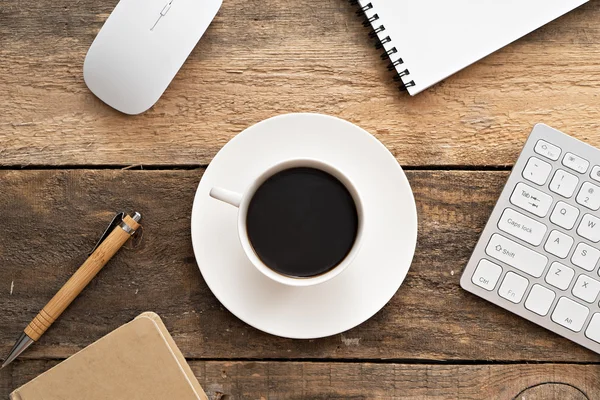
{"x": 392, "y": 53}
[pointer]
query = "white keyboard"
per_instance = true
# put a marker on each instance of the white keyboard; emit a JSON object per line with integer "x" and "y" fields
{"x": 538, "y": 255}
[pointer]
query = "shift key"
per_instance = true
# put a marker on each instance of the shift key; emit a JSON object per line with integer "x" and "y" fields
{"x": 530, "y": 199}
{"x": 516, "y": 255}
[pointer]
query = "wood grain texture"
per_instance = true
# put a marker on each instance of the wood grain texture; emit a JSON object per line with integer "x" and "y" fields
{"x": 262, "y": 58}
{"x": 430, "y": 318}
{"x": 316, "y": 380}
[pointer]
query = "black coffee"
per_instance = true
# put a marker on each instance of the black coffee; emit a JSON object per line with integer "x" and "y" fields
{"x": 302, "y": 222}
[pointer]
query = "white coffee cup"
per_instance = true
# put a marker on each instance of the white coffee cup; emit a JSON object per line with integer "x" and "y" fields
{"x": 242, "y": 201}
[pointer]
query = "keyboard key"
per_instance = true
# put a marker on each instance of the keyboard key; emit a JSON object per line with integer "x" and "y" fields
{"x": 589, "y": 228}
{"x": 586, "y": 288}
{"x": 531, "y": 199}
{"x": 595, "y": 174}
{"x": 516, "y": 255}
{"x": 539, "y": 300}
{"x": 559, "y": 244}
{"x": 522, "y": 227}
{"x": 560, "y": 276}
{"x": 576, "y": 163}
{"x": 564, "y": 215}
{"x": 585, "y": 257}
{"x": 537, "y": 171}
{"x": 564, "y": 183}
{"x": 589, "y": 196}
{"x": 547, "y": 150}
{"x": 486, "y": 275}
{"x": 570, "y": 314}
{"x": 593, "y": 329}
{"x": 513, "y": 287}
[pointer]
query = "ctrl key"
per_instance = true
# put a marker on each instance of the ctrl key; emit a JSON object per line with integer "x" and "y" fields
{"x": 486, "y": 275}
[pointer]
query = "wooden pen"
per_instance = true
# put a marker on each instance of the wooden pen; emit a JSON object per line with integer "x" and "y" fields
{"x": 116, "y": 235}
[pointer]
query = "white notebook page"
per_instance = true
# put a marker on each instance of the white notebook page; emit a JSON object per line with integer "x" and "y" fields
{"x": 436, "y": 38}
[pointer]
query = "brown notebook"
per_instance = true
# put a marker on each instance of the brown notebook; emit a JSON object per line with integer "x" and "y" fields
{"x": 139, "y": 360}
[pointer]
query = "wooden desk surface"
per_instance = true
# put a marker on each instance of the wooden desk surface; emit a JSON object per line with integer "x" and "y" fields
{"x": 65, "y": 156}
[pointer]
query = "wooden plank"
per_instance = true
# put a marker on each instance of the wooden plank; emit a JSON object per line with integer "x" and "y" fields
{"x": 263, "y": 58}
{"x": 316, "y": 380}
{"x": 430, "y": 318}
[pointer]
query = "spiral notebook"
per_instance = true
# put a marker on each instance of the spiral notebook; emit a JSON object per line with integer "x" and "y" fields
{"x": 429, "y": 40}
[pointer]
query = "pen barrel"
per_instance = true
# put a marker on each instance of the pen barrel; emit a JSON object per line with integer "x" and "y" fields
{"x": 80, "y": 279}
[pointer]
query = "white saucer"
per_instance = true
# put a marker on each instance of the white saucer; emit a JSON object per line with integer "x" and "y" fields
{"x": 390, "y": 228}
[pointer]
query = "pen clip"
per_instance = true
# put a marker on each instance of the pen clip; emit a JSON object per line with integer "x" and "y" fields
{"x": 113, "y": 224}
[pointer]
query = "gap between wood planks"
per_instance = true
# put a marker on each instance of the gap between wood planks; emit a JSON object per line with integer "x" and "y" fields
{"x": 190, "y": 167}
{"x": 390, "y": 361}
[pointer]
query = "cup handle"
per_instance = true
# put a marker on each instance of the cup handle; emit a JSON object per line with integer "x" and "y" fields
{"x": 226, "y": 196}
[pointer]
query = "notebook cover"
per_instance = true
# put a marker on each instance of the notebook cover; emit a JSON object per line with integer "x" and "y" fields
{"x": 137, "y": 361}
{"x": 436, "y": 38}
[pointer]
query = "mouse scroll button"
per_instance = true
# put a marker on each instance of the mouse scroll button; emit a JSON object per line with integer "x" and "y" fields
{"x": 163, "y": 12}
{"x": 165, "y": 9}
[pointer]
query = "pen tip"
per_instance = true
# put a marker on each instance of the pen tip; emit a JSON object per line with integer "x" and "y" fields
{"x": 22, "y": 344}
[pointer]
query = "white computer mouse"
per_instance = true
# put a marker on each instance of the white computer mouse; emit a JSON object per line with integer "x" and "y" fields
{"x": 140, "y": 48}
